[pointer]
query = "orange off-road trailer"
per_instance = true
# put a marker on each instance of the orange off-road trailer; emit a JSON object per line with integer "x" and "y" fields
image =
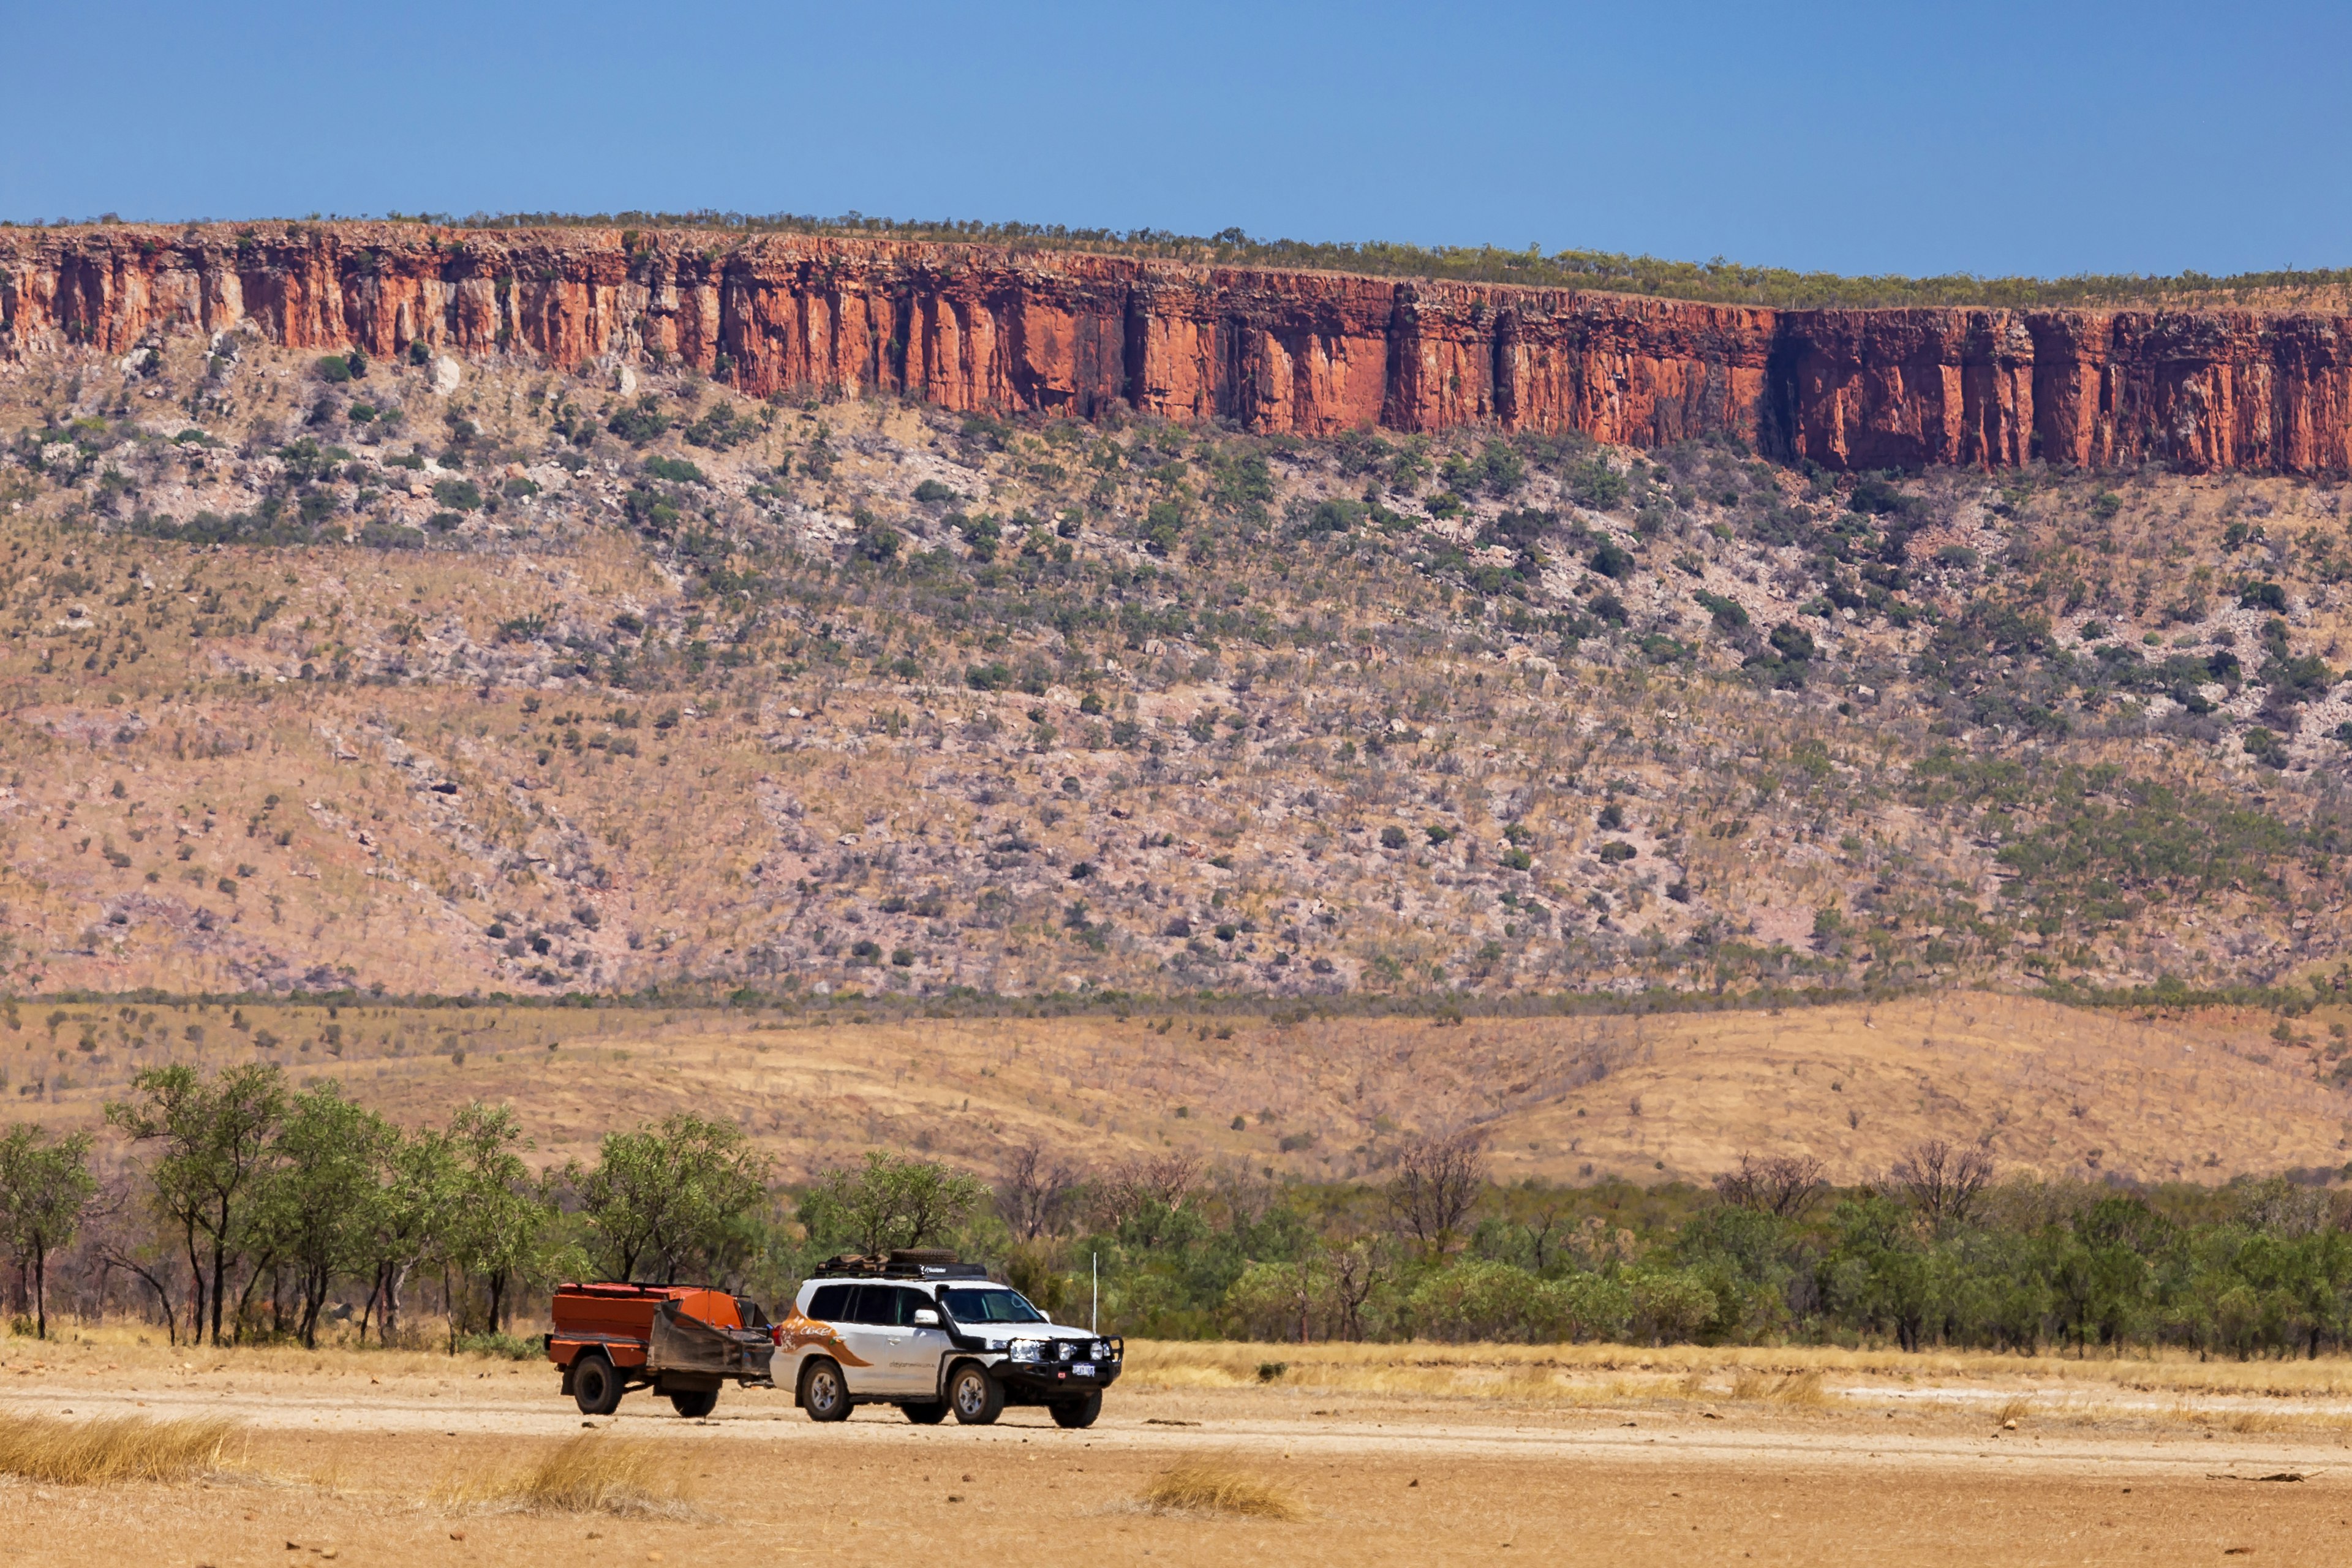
{"x": 683, "y": 1341}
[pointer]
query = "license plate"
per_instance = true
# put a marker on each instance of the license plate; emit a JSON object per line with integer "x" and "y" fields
{"x": 1083, "y": 1368}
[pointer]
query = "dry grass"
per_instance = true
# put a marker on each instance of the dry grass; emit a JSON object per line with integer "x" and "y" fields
{"x": 82, "y": 1345}
{"x": 1802, "y": 1389}
{"x": 2013, "y": 1410}
{"x": 1208, "y": 1486}
{"x": 2247, "y": 1423}
{"x": 591, "y": 1473}
{"x": 1574, "y": 1374}
{"x": 116, "y": 1448}
{"x": 1712, "y": 1086}
{"x": 1551, "y": 1376}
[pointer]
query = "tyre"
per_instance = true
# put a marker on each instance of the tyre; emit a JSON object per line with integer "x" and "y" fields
{"x": 926, "y": 1412}
{"x": 695, "y": 1403}
{"x": 823, "y": 1393}
{"x": 595, "y": 1386}
{"x": 976, "y": 1398}
{"x": 1076, "y": 1413}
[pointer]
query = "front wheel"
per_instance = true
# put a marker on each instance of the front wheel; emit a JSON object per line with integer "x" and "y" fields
{"x": 823, "y": 1393}
{"x": 595, "y": 1386}
{"x": 976, "y": 1397}
{"x": 695, "y": 1403}
{"x": 926, "y": 1412}
{"x": 1075, "y": 1413}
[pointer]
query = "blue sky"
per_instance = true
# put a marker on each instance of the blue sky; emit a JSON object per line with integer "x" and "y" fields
{"x": 1990, "y": 137}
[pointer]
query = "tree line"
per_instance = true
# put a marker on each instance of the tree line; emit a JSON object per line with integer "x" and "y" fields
{"x": 238, "y": 1208}
{"x": 244, "y": 1209}
{"x": 1936, "y": 1250}
{"x": 1717, "y": 279}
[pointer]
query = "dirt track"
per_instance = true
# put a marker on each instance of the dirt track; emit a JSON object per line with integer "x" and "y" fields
{"x": 331, "y": 1460}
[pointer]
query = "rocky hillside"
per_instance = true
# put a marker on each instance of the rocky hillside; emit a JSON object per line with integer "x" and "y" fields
{"x": 482, "y": 676}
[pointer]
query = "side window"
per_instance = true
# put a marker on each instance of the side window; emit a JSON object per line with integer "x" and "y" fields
{"x": 830, "y": 1304}
{"x": 910, "y": 1302}
{"x": 876, "y": 1304}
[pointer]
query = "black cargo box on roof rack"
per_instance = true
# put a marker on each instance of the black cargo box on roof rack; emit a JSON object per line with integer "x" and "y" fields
{"x": 903, "y": 1263}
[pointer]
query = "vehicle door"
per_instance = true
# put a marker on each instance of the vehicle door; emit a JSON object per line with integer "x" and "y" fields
{"x": 815, "y": 1330}
{"x": 872, "y": 1338}
{"x": 924, "y": 1350}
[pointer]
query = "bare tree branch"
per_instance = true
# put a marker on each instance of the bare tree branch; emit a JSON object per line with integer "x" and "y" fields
{"x": 1942, "y": 1181}
{"x": 1781, "y": 1184}
{"x": 1034, "y": 1195}
{"x": 1136, "y": 1185}
{"x": 1436, "y": 1182}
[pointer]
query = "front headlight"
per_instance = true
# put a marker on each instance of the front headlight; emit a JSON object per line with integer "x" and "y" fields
{"x": 997, "y": 1345}
{"x": 1027, "y": 1350}
{"x": 1101, "y": 1351}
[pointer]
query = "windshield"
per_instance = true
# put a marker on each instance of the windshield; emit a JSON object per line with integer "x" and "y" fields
{"x": 990, "y": 1307}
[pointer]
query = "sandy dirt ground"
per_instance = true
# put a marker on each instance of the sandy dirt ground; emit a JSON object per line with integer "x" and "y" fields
{"x": 352, "y": 1459}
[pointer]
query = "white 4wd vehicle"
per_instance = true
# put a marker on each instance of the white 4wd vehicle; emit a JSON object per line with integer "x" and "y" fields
{"x": 930, "y": 1336}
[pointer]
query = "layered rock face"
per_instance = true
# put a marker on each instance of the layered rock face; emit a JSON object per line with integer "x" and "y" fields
{"x": 978, "y": 328}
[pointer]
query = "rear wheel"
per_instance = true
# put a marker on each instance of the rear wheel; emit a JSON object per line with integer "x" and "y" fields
{"x": 695, "y": 1403}
{"x": 595, "y": 1386}
{"x": 1078, "y": 1412}
{"x": 823, "y": 1393}
{"x": 976, "y": 1396}
{"x": 926, "y": 1412}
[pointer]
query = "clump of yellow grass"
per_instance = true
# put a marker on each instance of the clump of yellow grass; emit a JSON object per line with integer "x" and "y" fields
{"x": 1799, "y": 1388}
{"x": 1209, "y": 1486}
{"x": 113, "y": 1448}
{"x": 588, "y": 1473}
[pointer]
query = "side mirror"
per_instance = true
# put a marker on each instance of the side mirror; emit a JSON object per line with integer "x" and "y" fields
{"x": 927, "y": 1318}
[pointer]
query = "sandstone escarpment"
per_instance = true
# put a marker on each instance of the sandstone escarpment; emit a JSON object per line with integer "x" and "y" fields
{"x": 982, "y": 328}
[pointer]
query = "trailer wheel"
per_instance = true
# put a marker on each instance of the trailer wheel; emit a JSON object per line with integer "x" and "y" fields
{"x": 977, "y": 1397}
{"x": 695, "y": 1403}
{"x": 926, "y": 1412}
{"x": 595, "y": 1386}
{"x": 1075, "y": 1413}
{"x": 823, "y": 1393}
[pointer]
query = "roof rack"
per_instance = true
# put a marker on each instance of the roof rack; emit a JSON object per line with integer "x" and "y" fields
{"x": 902, "y": 1263}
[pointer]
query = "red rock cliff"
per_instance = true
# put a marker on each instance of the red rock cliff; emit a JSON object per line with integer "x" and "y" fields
{"x": 972, "y": 327}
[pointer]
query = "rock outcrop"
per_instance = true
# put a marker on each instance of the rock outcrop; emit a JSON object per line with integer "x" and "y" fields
{"x": 982, "y": 328}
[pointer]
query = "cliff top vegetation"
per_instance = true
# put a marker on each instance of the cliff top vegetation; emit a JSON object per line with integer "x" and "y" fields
{"x": 1716, "y": 281}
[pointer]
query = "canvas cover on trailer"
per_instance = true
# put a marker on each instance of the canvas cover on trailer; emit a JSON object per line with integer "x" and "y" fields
{"x": 680, "y": 1341}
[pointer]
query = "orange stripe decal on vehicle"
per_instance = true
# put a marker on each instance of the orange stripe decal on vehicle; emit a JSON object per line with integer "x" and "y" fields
{"x": 799, "y": 1332}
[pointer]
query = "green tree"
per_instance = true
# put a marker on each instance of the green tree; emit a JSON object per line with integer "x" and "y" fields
{"x": 45, "y": 1185}
{"x": 1671, "y": 1304}
{"x": 318, "y": 1193}
{"x": 500, "y": 1216}
{"x": 667, "y": 1196}
{"x": 891, "y": 1202}
{"x": 1277, "y": 1301}
{"x": 1878, "y": 1271}
{"x": 415, "y": 1208}
{"x": 217, "y": 1137}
